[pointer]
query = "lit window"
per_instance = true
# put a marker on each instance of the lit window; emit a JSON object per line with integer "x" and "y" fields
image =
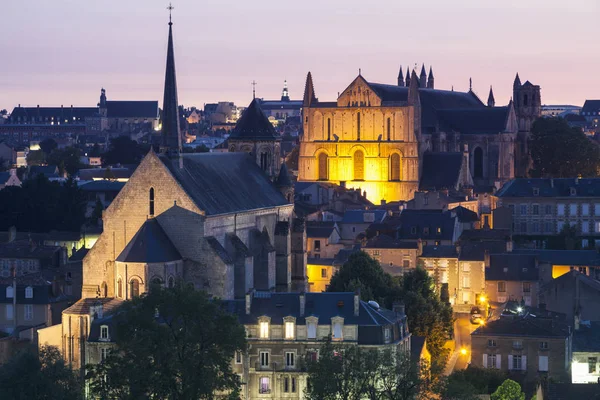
{"x": 312, "y": 330}
{"x": 264, "y": 385}
{"x": 29, "y": 292}
{"x": 104, "y": 332}
{"x": 264, "y": 330}
{"x": 323, "y": 272}
{"x": 289, "y": 330}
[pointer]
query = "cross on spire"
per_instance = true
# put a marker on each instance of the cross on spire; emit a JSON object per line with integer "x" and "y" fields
{"x": 170, "y": 8}
{"x": 253, "y": 89}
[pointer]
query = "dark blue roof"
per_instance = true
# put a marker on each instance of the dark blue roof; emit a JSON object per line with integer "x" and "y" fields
{"x": 56, "y": 112}
{"x": 4, "y": 176}
{"x": 132, "y": 109}
{"x": 42, "y": 289}
{"x": 358, "y": 216}
{"x": 423, "y": 224}
{"x": 439, "y": 252}
{"x": 49, "y": 171}
{"x": 103, "y": 186}
{"x": 474, "y": 121}
{"x": 592, "y": 106}
{"x": 440, "y": 170}
{"x": 564, "y": 257}
{"x": 149, "y": 245}
{"x": 254, "y": 124}
{"x": 551, "y": 187}
{"x": 320, "y": 229}
{"x": 512, "y": 267}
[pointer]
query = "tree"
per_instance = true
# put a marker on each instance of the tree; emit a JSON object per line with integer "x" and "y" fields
{"x": 561, "y": 151}
{"x": 48, "y": 145}
{"x": 509, "y": 390}
{"x": 28, "y": 375}
{"x": 123, "y": 150}
{"x": 470, "y": 382}
{"x": 170, "y": 344}
{"x": 36, "y": 157}
{"x": 567, "y": 239}
{"x": 67, "y": 160}
{"x": 97, "y": 212}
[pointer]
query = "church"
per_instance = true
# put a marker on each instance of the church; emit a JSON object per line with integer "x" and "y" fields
{"x": 216, "y": 221}
{"x": 380, "y": 137}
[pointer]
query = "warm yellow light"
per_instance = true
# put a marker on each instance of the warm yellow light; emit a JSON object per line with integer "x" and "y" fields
{"x": 463, "y": 351}
{"x": 481, "y": 322}
{"x": 482, "y": 299}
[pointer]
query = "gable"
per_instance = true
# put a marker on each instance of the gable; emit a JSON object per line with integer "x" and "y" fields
{"x": 359, "y": 94}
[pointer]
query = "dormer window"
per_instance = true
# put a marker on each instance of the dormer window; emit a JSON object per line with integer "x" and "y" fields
{"x": 573, "y": 191}
{"x": 104, "y": 332}
{"x": 536, "y": 191}
{"x": 263, "y": 327}
{"x": 311, "y": 328}
{"x": 29, "y": 292}
{"x": 387, "y": 334}
{"x": 337, "y": 328}
{"x": 9, "y": 292}
{"x": 290, "y": 328}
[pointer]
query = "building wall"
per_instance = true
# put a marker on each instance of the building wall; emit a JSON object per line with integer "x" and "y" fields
{"x": 584, "y": 369}
{"x": 328, "y": 247}
{"x": 319, "y": 277}
{"x": 565, "y": 297}
{"x": 515, "y": 290}
{"x": 397, "y": 259}
{"x": 40, "y": 314}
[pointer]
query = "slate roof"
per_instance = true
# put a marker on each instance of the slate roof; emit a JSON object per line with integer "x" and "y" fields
{"x": 82, "y": 307}
{"x": 548, "y": 187}
{"x": 23, "y": 249}
{"x": 102, "y": 186}
{"x": 89, "y": 174}
{"x": 149, "y": 245}
{"x": 222, "y": 183}
{"x": 320, "y": 261}
{"x": 528, "y": 326}
{"x": 49, "y": 171}
{"x": 439, "y": 252}
{"x": 254, "y": 124}
{"x": 57, "y": 112}
{"x": 132, "y": 109}
{"x": 283, "y": 179}
{"x": 94, "y": 335}
{"x": 417, "y": 344}
{"x": 465, "y": 215}
{"x": 440, "y": 170}
{"x": 79, "y": 255}
{"x": 485, "y": 234}
{"x": 487, "y": 120}
{"x": 587, "y": 338}
{"x": 383, "y": 241}
{"x": 4, "y": 176}
{"x": 564, "y": 257}
{"x": 344, "y": 254}
{"x": 591, "y": 106}
{"x": 568, "y": 391}
{"x": 320, "y": 229}
{"x": 42, "y": 289}
{"x": 358, "y": 216}
{"x": 512, "y": 267}
{"x": 219, "y": 249}
{"x": 475, "y": 251}
{"x": 430, "y": 219}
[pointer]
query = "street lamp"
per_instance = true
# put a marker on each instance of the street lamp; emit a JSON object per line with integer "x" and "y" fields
{"x": 463, "y": 351}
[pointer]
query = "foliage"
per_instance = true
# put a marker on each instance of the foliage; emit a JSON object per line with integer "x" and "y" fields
{"x": 48, "y": 145}
{"x": 95, "y": 151}
{"x": 198, "y": 149}
{"x": 561, "y": 151}
{"x": 292, "y": 159}
{"x": 567, "y": 239}
{"x": 170, "y": 344}
{"x": 39, "y": 205}
{"x": 67, "y": 160}
{"x": 427, "y": 315}
{"x": 28, "y": 375}
{"x": 36, "y": 157}
{"x": 123, "y": 150}
{"x": 464, "y": 384}
{"x": 97, "y": 212}
{"x": 352, "y": 372}
{"x": 509, "y": 390}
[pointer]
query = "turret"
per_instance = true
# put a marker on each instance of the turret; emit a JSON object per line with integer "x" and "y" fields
{"x": 285, "y": 96}
{"x": 284, "y": 184}
{"x": 430, "y": 83}
{"x": 517, "y": 82}
{"x": 407, "y": 77}
{"x": 491, "y": 101}
{"x": 309, "y": 92}
{"x": 400, "y": 77}
{"x": 423, "y": 77}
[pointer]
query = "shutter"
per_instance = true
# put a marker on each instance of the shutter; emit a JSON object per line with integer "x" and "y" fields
{"x": 510, "y": 364}
{"x": 524, "y": 363}
{"x": 498, "y": 362}
{"x": 485, "y": 361}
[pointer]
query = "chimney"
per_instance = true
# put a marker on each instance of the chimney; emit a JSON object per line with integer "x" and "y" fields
{"x": 343, "y": 184}
{"x": 249, "y": 301}
{"x": 509, "y": 246}
{"x": 302, "y": 304}
{"x": 383, "y": 202}
{"x": 356, "y": 302}
{"x": 576, "y": 322}
{"x": 12, "y": 234}
{"x": 365, "y": 194}
{"x": 486, "y": 258}
{"x": 419, "y": 247}
{"x": 398, "y": 308}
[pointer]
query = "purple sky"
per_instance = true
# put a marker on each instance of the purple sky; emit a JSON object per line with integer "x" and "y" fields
{"x": 63, "y": 51}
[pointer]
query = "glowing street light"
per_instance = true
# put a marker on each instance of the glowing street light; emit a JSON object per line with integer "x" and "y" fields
{"x": 519, "y": 309}
{"x": 482, "y": 299}
{"x": 463, "y": 351}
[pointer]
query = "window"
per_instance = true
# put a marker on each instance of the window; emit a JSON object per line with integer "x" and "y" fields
{"x": 151, "y": 202}
{"x": 501, "y": 287}
{"x": 597, "y": 209}
{"x": 317, "y": 245}
{"x": 264, "y": 330}
{"x": 387, "y": 334}
{"x": 238, "y": 357}
{"x": 389, "y": 129}
{"x": 466, "y": 282}
{"x": 526, "y": 286}
{"x": 585, "y": 226}
{"x": 337, "y": 331}
{"x": 572, "y": 209}
{"x": 171, "y": 282}
{"x": 264, "y": 385}
{"x": 413, "y": 230}
{"x": 358, "y": 126}
{"x": 28, "y": 312}
{"x": 535, "y": 209}
{"x": 560, "y": 225}
{"x": 491, "y": 343}
{"x": 491, "y": 361}
{"x": 585, "y": 210}
{"x": 523, "y": 227}
{"x": 426, "y": 199}
{"x": 293, "y": 385}
{"x": 543, "y": 345}
{"x": 290, "y": 359}
{"x": 9, "y": 292}
{"x": 548, "y": 209}
{"x": 103, "y": 353}
{"x": 466, "y": 267}
{"x": 289, "y": 330}
{"x": 536, "y": 191}
{"x": 119, "y": 287}
{"x": 518, "y": 344}
{"x": 323, "y": 173}
{"x": 286, "y": 384}
{"x": 264, "y": 358}
{"x": 395, "y": 167}
{"x": 9, "y": 312}
{"x": 359, "y": 165}
{"x": 406, "y": 263}
{"x": 535, "y": 227}
{"x": 134, "y": 288}
{"x": 104, "y": 332}
{"x": 543, "y": 363}
{"x": 328, "y": 128}
{"x": 560, "y": 210}
{"x": 323, "y": 272}
{"x": 517, "y": 362}
{"x": 597, "y": 226}
{"x": 311, "y": 330}
{"x": 523, "y": 209}
{"x": 592, "y": 365}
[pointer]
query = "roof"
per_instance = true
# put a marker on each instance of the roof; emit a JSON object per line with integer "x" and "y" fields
{"x": 4, "y": 177}
{"x": 320, "y": 261}
{"x": 222, "y": 183}
{"x": 50, "y": 171}
{"x": 383, "y": 241}
{"x": 424, "y": 224}
{"x": 132, "y": 109}
{"x": 587, "y": 338}
{"x": 564, "y": 257}
{"x": 527, "y": 325}
{"x": 83, "y": 306}
{"x": 89, "y": 174}
{"x": 56, "y": 112}
{"x": 568, "y": 391}
{"x": 79, "y": 255}
{"x": 485, "y": 234}
{"x": 283, "y": 179}
{"x": 551, "y": 187}
{"x": 344, "y": 254}
{"x": 25, "y": 249}
{"x": 440, "y": 170}
{"x": 512, "y": 267}
{"x": 320, "y": 229}
{"x": 102, "y": 186}
{"x": 439, "y": 252}
{"x": 465, "y": 215}
{"x": 363, "y": 216}
{"x": 254, "y": 124}
{"x": 149, "y": 245}
{"x": 417, "y": 344}
{"x": 475, "y": 251}
{"x": 474, "y": 121}
{"x": 591, "y": 106}
{"x": 42, "y": 289}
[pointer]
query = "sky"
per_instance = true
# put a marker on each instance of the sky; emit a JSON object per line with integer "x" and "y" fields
{"x": 63, "y": 51}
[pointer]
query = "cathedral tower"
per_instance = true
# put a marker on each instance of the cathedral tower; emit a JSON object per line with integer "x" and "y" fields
{"x": 102, "y": 105}
{"x": 491, "y": 102}
{"x": 171, "y": 135}
{"x": 528, "y": 107}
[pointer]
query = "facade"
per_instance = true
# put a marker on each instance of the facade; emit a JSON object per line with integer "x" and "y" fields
{"x": 395, "y": 256}
{"x": 591, "y": 112}
{"x": 375, "y": 136}
{"x": 512, "y": 277}
{"x": 319, "y": 272}
{"x": 586, "y": 353}
{"x": 526, "y": 347}
{"x": 559, "y": 110}
{"x": 282, "y": 109}
{"x": 323, "y": 239}
{"x": 432, "y": 227}
{"x": 356, "y": 222}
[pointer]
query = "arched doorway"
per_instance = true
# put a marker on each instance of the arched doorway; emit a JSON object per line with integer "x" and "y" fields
{"x": 323, "y": 173}
{"x": 359, "y": 165}
{"x": 478, "y": 163}
{"x": 134, "y": 288}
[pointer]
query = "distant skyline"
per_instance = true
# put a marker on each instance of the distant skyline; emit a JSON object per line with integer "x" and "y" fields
{"x": 63, "y": 51}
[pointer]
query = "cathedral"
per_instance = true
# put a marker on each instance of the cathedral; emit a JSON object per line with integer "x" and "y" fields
{"x": 217, "y": 221}
{"x": 380, "y": 137}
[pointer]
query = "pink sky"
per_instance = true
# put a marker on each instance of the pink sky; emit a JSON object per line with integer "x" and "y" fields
{"x": 63, "y": 51}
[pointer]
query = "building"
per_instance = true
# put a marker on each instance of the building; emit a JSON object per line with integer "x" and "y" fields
{"x": 586, "y": 352}
{"x": 542, "y": 207}
{"x": 528, "y": 344}
{"x": 323, "y": 239}
{"x": 9, "y": 178}
{"x": 432, "y": 227}
{"x": 239, "y": 221}
{"x": 355, "y": 222}
{"x": 591, "y": 112}
{"x": 395, "y": 256}
{"x": 375, "y": 136}
{"x": 559, "y": 110}
{"x": 127, "y": 116}
{"x": 282, "y": 109}
{"x": 512, "y": 277}
{"x": 104, "y": 191}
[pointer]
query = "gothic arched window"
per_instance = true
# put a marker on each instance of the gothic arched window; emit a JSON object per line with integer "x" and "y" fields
{"x": 358, "y": 126}
{"x": 323, "y": 173}
{"x": 389, "y": 128}
{"x": 359, "y": 165}
{"x": 151, "y": 202}
{"x": 395, "y": 167}
{"x": 104, "y": 290}
{"x": 524, "y": 99}
{"x": 264, "y": 160}
{"x": 328, "y": 128}
{"x": 134, "y": 288}
{"x": 120, "y": 288}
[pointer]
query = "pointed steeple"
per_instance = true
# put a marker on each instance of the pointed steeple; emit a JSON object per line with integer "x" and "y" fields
{"x": 407, "y": 77}
{"x": 400, "y": 77}
{"x": 413, "y": 89}
{"x": 430, "y": 83}
{"x": 171, "y": 135}
{"x": 283, "y": 179}
{"x": 285, "y": 95}
{"x": 517, "y": 82}
{"x": 309, "y": 92}
{"x": 423, "y": 77}
{"x": 491, "y": 101}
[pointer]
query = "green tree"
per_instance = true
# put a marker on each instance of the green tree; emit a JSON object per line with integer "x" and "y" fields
{"x": 97, "y": 212}
{"x": 509, "y": 390}
{"x": 48, "y": 146}
{"x": 470, "y": 382}
{"x": 561, "y": 151}
{"x": 123, "y": 150}
{"x": 36, "y": 157}
{"x": 170, "y": 344}
{"x": 67, "y": 160}
{"x": 28, "y": 375}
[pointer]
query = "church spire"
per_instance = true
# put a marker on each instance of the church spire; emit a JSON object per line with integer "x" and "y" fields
{"x": 171, "y": 135}
{"x": 430, "y": 83}
{"x": 400, "y": 77}
{"x": 423, "y": 77}
{"x": 309, "y": 92}
{"x": 407, "y": 77}
{"x": 491, "y": 101}
{"x": 285, "y": 95}
{"x": 517, "y": 82}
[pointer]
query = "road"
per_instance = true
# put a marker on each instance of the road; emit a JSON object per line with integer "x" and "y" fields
{"x": 461, "y": 357}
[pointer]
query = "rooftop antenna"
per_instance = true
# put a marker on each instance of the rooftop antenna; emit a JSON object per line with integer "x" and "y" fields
{"x": 253, "y": 89}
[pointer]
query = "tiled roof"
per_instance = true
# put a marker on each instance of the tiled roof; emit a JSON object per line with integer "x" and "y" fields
{"x": 383, "y": 241}
{"x": 132, "y": 109}
{"x": 551, "y": 187}
{"x": 49, "y": 171}
{"x": 219, "y": 249}
{"x": 474, "y": 121}
{"x": 440, "y": 170}
{"x": 221, "y": 183}
{"x": 512, "y": 267}
{"x": 587, "y": 338}
{"x": 254, "y": 124}
{"x": 283, "y": 179}
{"x": 82, "y": 307}
{"x": 149, "y": 245}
